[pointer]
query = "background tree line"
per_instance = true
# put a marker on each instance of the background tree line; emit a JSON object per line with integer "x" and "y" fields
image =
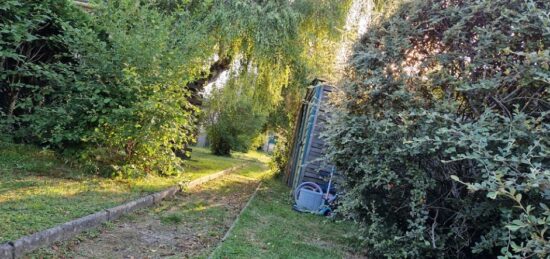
{"x": 119, "y": 87}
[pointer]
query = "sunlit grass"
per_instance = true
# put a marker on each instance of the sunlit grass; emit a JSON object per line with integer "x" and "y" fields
{"x": 38, "y": 190}
{"x": 201, "y": 213}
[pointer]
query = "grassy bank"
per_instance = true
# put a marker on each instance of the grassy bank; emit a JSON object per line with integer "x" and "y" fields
{"x": 269, "y": 228}
{"x": 38, "y": 190}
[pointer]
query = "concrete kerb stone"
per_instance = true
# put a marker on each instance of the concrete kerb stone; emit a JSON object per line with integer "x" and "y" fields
{"x": 159, "y": 196}
{"x": 211, "y": 177}
{"x": 116, "y": 212}
{"x": 76, "y": 226}
{"x": 18, "y": 248}
{"x": 58, "y": 233}
{"x": 6, "y": 251}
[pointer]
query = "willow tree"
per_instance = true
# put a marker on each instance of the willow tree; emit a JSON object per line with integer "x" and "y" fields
{"x": 280, "y": 45}
{"x": 119, "y": 82}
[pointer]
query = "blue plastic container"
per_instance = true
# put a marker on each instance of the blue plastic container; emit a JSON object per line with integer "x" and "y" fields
{"x": 309, "y": 200}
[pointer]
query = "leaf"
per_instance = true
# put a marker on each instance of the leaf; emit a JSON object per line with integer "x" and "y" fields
{"x": 513, "y": 228}
{"x": 515, "y": 246}
{"x": 518, "y": 197}
{"x": 492, "y": 195}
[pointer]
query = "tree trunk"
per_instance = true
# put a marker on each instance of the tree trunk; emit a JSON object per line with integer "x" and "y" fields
{"x": 214, "y": 72}
{"x": 13, "y": 103}
{"x": 196, "y": 87}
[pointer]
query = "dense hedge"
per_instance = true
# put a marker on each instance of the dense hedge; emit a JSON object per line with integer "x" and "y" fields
{"x": 108, "y": 88}
{"x": 443, "y": 130}
{"x": 35, "y": 60}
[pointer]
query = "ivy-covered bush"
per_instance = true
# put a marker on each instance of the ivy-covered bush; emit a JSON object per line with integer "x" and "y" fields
{"x": 443, "y": 133}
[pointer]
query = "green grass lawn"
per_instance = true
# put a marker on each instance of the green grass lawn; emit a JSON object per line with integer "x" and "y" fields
{"x": 269, "y": 228}
{"x": 38, "y": 190}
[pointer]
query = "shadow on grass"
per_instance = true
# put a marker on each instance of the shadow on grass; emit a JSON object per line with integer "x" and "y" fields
{"x": 269, "y": 228}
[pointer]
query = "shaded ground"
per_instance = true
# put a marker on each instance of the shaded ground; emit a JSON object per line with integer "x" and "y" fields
{"x": 269, "y": 228}
{"x": 190, "y": 225}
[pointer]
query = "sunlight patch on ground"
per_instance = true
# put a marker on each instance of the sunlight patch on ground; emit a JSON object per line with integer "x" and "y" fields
{"x": 38, "y": 190}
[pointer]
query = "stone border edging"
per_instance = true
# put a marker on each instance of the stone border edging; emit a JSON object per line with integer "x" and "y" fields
{"x": 18, "y": 248}
{"x": 235, "y": 221}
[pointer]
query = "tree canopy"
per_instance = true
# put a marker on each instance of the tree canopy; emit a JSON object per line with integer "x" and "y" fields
{"x": 117, "y": 86}
{"x": 279, "y": 46}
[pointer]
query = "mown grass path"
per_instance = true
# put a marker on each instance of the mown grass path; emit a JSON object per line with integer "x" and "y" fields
{"x": 189, "y": 225}
{"x": 38, "y": 190}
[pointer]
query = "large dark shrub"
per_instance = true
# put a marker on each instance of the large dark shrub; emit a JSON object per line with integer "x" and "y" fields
{"x": 443, "y": 130}
{"x": 36, "y": 63}
{"x": 108, "y": 87}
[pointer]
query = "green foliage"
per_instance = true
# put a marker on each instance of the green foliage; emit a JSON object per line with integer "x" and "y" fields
{"x": 36, "y": 64}
{"x": 234, "y": 119}
{"x": 281, "y": 153}
{"x": 114, "y": 89}
{"x": 443, "y": 132}
{"x": 279, "y": 45}
{"x": 143, "y": 114}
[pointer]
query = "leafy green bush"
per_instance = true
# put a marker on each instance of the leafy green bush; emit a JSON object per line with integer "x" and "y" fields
{"x": 37, "y": 66}
{"x": 279, "y": 159}
{"x": 136, "y": 89}
{"x": 443, "y": 131}
{"x": 233, "y": 118}
{"x": 110, "y": 86}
